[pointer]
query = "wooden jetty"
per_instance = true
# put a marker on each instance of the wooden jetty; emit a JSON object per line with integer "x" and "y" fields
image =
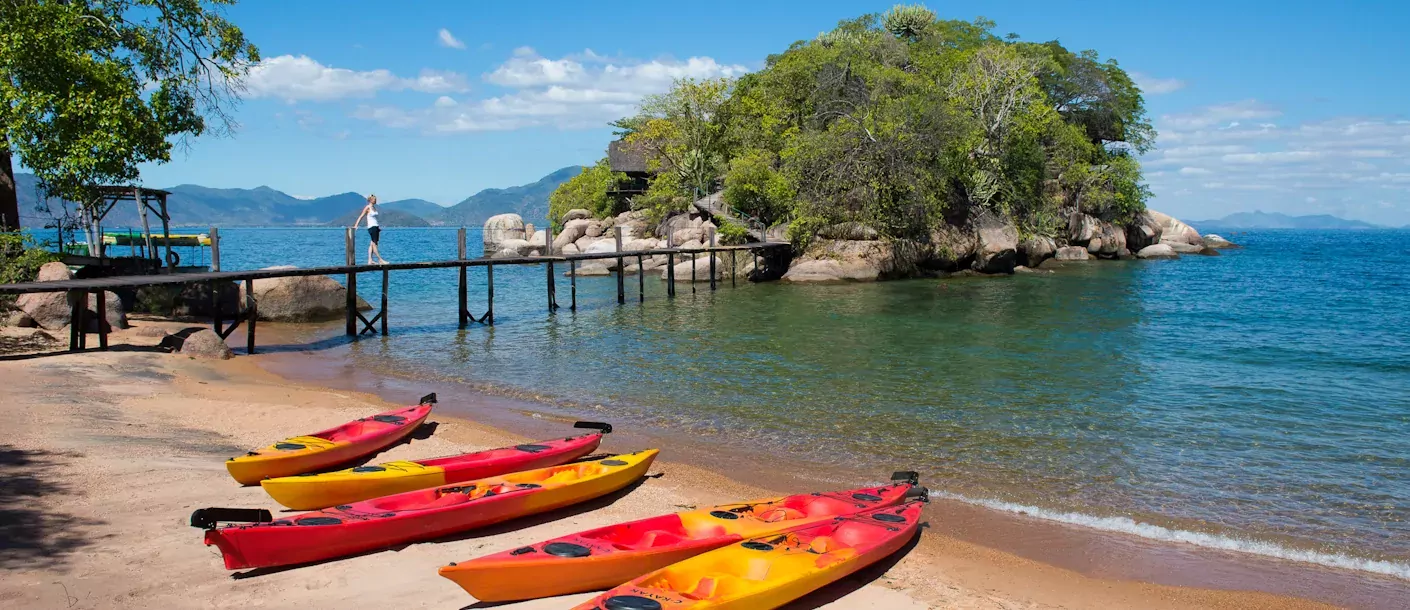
{"x": 79, "y": 289}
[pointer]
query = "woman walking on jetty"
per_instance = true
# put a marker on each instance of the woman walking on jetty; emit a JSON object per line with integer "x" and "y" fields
{"x": 373, "y": 229}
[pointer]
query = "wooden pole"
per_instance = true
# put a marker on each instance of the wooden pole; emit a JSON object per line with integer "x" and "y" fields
{"x": 756, "y": 261}
{"x": 671, "y": 264}
{"x": 151, "y": 250}
{"x": 215, "y": 249}
{"x": 166, "y": 233}
{"x": 251, "y": 313}
{"x": 733, "y": 268}
{"x": 573, "y": 282}
{"x": 349, "y": 239}
{"x": 216, "y": 320}
{"x": 102, "y": 319}
{"x": 621, "y": 286}
{"x": 464, "y": 288}
{"x": 489, "y": 278}
{"x": 712, "y": 258}
{"x": 548, "y": 248}
{"x": 80, "y": 319}
{"x": 692, "y": 273}
{"x": 386, "y": 282}
{"x": 640, "y": 280}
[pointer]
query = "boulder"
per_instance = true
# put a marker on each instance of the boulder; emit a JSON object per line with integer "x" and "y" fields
{"x": 1183, "y": 248}
{"x": 569, "y": 249}
{"x": 20, "y": 319}
{"x": 701, "y": 271}
{"x": 842, "y": 260}
{"x": 187, "y": 300}
{"x": 996, "y": 247}
{"x": 849, "y": 230}
{"x": 310, "y": 298}
{"x": 1071, "y": 253}
{"x": 1209, "y": 252}
{"x": 1109, "y": 241}
{"x": 638, "y": 244}
{"x": 510, "y": 248}
{"x": 601, "y": 246}
{"x": 1081, "y": 229}
{"x": 1142, "y": 231}
{"x": 1215, "y": 241}
{"x": 54, "y": 272}
{"x": 1157, "y": 251}
{"x": 150, "y": 331}
{"x": 502, "y": 228}
{"x": 595, "y": 228}
{"x": 50, "y": 310}
{"x": 590, "y": 269}
{"x": 951, "y": 248}
{"x": 205, "y": 343}
{"x": 576, "y": 214}
{"x": 688, "y": 234}
{"x": 537, "y": 239}
{"x": 1174, "y": 231}
{"x": 1036, "y": 249}
{"x": 117, "y": 316}
{"x": 572, "y": 231}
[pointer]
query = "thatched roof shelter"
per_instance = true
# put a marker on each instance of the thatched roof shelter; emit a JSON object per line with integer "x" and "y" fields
{"x": 626, "y": 158}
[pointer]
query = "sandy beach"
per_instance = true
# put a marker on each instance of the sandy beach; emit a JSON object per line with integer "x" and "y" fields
{"x": 105, "y": 455}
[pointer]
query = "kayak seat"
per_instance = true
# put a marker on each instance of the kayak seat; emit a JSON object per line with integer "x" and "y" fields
{"x": 656, "y": 538}
{"x": 774, "y": 515}
{"x": 715, "y": 585}
{"x": 823, "y": 544}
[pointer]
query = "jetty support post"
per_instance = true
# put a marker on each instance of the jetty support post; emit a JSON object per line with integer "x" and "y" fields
{"x": 215, "y": 248}
{"x": 102, "y": 297}
{"x": 693, "y": 258}
{"x": 217, "y": 316}
{"x": 386, "y": 283}
{"x": 464, "y": 288}
{"x": 489, "y": 278}
{"x": 712, "y": 259}
{"x": 349, "y": 239}
{"x": 621, "y": 286}
{"x": 548, "y": 250}
{"x": 166, "y": 232}
{"x": 251, "y": 312}
{"x": 78, "y": 304}
{"x": 733, "y": 268}
{"x": 573, "y": 284}
{"x": 755, "y": 252}
{"x": 640, "y": 279}
{"x": 671, "y": 265}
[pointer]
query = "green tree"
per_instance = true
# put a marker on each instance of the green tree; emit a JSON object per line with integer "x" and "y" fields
{"x": 683, "y": 131}
{"x": 755, "y": 187}
{"x": 588, "y": 190}
{"x": 91, "y": 89}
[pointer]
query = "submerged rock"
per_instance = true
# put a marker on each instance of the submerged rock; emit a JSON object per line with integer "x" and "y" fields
{"x": 1034, "y": 250}
{"x": 1215, "y": 241}
{"x": 842, "y": 260}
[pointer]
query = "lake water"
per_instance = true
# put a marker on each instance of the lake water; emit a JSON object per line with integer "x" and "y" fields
{"x": 1258, "y": 400}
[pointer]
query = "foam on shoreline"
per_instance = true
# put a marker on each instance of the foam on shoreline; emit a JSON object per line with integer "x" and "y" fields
{"x": 1127, "y": 525}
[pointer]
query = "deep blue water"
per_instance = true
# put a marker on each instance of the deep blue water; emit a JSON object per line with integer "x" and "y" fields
{"x": 1258, "y": 400}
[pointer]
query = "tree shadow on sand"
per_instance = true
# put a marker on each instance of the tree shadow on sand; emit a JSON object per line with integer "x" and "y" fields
{"x": 32, "y": 536}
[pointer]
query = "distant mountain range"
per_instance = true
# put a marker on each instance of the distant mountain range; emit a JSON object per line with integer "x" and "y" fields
{"x": 193, "y": 205}
{"x": 1274, "y": 220}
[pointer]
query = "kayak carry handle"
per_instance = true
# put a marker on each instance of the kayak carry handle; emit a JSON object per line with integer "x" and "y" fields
{"x": 594, "y": 425}
{"x": 906, "y": 476}
{"x": 428, "y": 399}
{"x": 206, "y": 518}
{"x": 917, "y": 493}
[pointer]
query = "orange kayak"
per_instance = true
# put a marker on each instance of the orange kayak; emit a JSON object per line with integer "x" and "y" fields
{"x": 331, "y": 447}
{"x": 602, "y": 558}
{"x": 771, "y": 571}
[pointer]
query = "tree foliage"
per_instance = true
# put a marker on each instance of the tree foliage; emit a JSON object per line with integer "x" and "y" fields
{"x": 588, "y": 190}
{"x": 91, "y": 89}
{"x": 905, "y": 121}
{"x": 20, "y": 260}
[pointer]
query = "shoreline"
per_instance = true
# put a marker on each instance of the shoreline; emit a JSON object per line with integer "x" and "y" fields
{"x": 1113, "y": 548}
{"x": 958, "y": 563}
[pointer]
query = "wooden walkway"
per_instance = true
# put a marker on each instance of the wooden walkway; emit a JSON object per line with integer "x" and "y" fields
{"x": 78, "y": 289}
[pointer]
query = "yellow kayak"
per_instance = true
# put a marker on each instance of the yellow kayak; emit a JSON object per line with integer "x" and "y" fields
{"x": 772, "y": 571}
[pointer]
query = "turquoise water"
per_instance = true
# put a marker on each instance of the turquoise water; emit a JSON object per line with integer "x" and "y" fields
{"x": 1258, "y": 400}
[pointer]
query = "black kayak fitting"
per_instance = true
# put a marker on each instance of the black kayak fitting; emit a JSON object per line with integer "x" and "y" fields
{"x": 594, "y": 425}
{"x": 206, "y": 518}
{"x": 428, "y": 399}
{"x": 631, "y": 602}
{"x": 917, "y": 493}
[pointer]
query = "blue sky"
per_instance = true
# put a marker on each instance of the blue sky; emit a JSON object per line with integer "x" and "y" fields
{"x": 1297, "y": 107}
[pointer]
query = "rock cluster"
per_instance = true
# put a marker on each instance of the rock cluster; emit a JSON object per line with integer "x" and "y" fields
{"x": 309, "y": 298}
{"x": 53, "y": 310}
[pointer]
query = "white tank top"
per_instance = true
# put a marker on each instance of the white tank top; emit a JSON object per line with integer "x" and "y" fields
{"x": 372, "y": 217}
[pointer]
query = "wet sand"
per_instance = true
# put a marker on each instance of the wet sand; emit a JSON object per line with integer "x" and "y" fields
{"x": 105, "y": 455}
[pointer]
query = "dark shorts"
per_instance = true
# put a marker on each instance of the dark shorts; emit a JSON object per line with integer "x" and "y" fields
{"x": 375, "y": 232}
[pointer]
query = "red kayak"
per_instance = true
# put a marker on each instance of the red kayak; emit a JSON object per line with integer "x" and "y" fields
{"x": 609, "y": 556}
{"x": 315, "y": 491}
{"x": 412, "y": 516}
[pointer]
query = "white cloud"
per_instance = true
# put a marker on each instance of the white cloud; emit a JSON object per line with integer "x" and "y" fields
{"x": 575, "y": 91}
{"x": 1151, "y": 85}
{"x": 449, "y": 40}
{"x": 1330, "y": 166}
{"x": 297, "y": 78}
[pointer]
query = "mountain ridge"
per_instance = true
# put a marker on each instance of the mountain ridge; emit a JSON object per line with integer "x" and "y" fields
{"x": 197, "y": 205}
{"x": 1259, "y": 219}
